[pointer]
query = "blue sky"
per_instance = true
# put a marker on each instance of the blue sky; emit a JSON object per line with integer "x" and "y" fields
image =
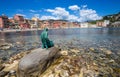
{"x": 73, "y": 10}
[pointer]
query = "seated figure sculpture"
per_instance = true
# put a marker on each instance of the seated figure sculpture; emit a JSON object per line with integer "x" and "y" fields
{"x": 46, "y": 43}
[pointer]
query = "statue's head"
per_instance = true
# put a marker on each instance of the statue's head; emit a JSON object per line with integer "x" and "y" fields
{"x": 46, "y": 29}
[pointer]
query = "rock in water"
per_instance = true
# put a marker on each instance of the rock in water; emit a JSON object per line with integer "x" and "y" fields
{"x": 36, "y": 62}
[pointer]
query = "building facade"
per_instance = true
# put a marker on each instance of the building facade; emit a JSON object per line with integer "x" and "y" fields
{"x": 4, "y": 21}
{"x": 103, "y": 23}
{"x": 84, "y": 25}
{"x": 20, "y": 22}
{"x": 18, "y": 18}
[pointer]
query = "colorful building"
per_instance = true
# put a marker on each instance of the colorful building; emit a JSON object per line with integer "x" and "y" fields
{"x": 20, "y": 22}
{"x": 84, "y": 25}
{"x": 102, "y": 23}
{"x": 4, "y": 21}
{"x": 56, "y": 24}
{"x": 35, "y": 21}
{"x": 76, "y": 24}
{"x": 18, "y": 18}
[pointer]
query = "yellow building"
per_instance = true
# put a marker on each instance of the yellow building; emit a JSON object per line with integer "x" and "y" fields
{"x": 37, "y": 22}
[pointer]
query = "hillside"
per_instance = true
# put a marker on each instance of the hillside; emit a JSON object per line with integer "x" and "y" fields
{"x": 113, "y": 17}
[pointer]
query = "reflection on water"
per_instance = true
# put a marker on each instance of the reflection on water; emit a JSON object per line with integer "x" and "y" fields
{"x": 82, "y": 37}
{"x": 2, "y": 38}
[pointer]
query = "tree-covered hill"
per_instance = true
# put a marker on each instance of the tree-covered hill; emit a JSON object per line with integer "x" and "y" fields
{"x": 112, "y": 17}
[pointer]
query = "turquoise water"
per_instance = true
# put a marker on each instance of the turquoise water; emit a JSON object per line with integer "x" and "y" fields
{"x": 81, "y": 37}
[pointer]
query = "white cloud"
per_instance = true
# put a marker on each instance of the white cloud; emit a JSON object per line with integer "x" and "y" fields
{"x": 48, "y": 17}
{"x": 32, "y": 11}
{"x": 37, "y": 15}
{"x": 74, "y": 7}
{"x": 72, "y": 18}
{"x": 84, "y": 14}
{"x": 88, "y": 14}
{"x": 21, "y": 15}
{"x": 84, "y": 6}
{"x": 59, "y": 12}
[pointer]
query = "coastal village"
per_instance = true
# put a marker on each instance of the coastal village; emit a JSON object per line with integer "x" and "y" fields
{"x": 19, "y": 22}
{"x": 68, "y": 58}
{"x": 59, "y": 38}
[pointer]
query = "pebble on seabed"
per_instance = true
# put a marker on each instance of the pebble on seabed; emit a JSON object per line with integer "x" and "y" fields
{"x": 90, "y": 64}
{"x": 10, "y": 67}
{"x": 79, "y": 64}
{"x": 65, "y": 53}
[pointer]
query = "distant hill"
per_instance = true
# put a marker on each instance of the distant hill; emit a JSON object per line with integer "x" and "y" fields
{"x": 113, "y": 17}
{"x": 114, "y": 20}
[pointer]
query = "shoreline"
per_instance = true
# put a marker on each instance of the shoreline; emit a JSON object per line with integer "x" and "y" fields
{"x": 18, "y": 30}
{"x": 33, "y": 29}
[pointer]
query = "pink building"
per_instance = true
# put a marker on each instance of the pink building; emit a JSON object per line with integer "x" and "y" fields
{"x": 1, "y": 22}
{"x": 24, "y": 25}
{"x": 56, "y": 24}
{"x": 18, "y": 18}
{"x": 100, "y": 23}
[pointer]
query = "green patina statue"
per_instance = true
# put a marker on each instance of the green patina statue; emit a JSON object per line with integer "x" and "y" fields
{"x": 46, "y": 43}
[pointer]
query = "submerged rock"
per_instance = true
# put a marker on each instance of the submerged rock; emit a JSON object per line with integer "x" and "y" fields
{"x": 65, "y": 53}
{"x": 5, "y": 46}
{"x": 106, "y": 51}
{"x": 86, "y": 64}
{"x": 74, "y": 62}
{"x": 12, "y": 73}
{"x": 1, "y": 67}
{"x": 6, "y": 67}
{"x": 3, "y": 73}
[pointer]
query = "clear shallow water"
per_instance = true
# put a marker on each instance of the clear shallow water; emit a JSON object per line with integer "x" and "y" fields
{"x": 90, "y": 37}
{"x": 83, "y": 37}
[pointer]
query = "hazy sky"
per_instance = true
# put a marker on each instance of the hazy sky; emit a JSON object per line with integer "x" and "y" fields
{"x": 73, "y": 10}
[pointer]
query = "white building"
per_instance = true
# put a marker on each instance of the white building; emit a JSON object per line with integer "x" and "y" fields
{"x": 106, "y": 22}
{"x": 92, "y": 26}
{"x": 84, "y": 25}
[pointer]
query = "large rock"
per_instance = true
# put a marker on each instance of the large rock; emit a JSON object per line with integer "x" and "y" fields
{"x": 36, "y": 62}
